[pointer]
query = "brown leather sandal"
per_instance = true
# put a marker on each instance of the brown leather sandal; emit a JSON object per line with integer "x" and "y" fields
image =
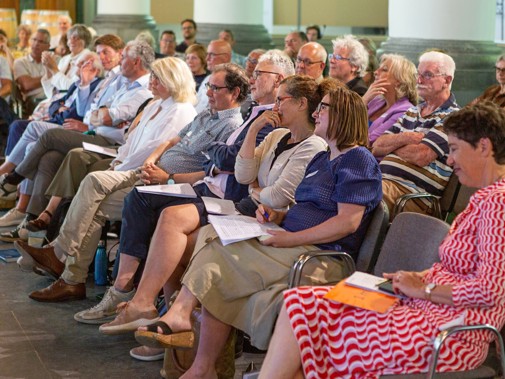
{"x": 38, "y": 224}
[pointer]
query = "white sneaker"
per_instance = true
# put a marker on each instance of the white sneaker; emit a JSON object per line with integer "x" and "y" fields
{"x": 11, "y": 218}
{"x": 105, "y": 310}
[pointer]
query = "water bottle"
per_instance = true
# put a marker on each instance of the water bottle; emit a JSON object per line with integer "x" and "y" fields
{"x": 101, "y": 264}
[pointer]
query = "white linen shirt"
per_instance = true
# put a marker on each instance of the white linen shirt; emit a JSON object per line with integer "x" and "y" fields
{"x": 149, "y": 134}
{"x": 124, "y": 107}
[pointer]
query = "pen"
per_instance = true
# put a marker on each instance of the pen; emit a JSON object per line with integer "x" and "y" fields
{"x": 265, "y": 213}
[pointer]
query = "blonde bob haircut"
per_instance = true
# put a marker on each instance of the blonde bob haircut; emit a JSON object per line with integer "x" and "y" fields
{"x": 348, "y": 119}
{"x": 405, "y": 72}
{"x": 175, "y": 75}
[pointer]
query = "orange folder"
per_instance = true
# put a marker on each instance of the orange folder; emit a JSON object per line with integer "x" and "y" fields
{"x": 361, "y": 298}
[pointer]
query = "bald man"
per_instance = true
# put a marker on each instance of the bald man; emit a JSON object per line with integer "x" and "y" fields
{"x": 218, "y": 52}
{"x": 311, "y": 60}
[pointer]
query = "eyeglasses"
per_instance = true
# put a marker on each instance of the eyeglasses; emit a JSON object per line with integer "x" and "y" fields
{"x": 322, "y": 106}
{"x": 257, "y": 73}
{"x": 153, "y": 77}
{"x": 337, "y": 57}
{"x": 212, "y": 55}
{"x": 279, "y": 100}
{"x": 428, "y": 75}
{"x": 306, "y": 62}
{"x": 500, "y": 70}
{"x": 213, "y": 87}
{"x": 252, "y": 60}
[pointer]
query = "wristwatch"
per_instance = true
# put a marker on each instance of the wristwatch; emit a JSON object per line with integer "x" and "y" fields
{"x": 428, "y": 289}
{"x": 171, "y": 179}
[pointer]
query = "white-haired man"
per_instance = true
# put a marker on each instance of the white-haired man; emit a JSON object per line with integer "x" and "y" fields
{"x": 311, "y": 60}
{"x": 416, "y": 146}
{"x": 348, "y": 63}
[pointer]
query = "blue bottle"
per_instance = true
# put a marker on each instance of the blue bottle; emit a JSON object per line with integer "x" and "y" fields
{"x": 101, "y": 264}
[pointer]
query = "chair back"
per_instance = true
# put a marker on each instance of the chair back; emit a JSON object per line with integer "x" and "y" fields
{"x": 411, "y": 243}
{"x": 374, "y": 237}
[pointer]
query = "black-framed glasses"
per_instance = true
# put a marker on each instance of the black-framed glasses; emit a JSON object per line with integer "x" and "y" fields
{"x": 428, "y": 75}
{"x": 257, "y": 73}
{"x": 212, "y": 55}
{"x": 306, "y": 61}
{"x": 252, "y": 60}
{"x": 280, "y": 99}
{"x": 500, "y": 70}
{"x": 337, "y": 57}
{"x": 213, "y": 87}
{"x": 322, "y": 106}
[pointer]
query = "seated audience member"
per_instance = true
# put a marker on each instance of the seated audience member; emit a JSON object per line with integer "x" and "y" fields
{"x": 313, "y": 33}
{"x": 172, "y": 109}
{"x": 60, "y": 110}
{"x": 107, "y": 124}
{"x": 64, "y": 25}
{"x": 22, "y": 48}
{"x": 101, "y": 194}
{"x": 415, "y": 148}
{"x": 273, "y": 169}
{"x": 391, "y": 94}
{"x": 196, "y": 59}
{"x": 348, "y": 63}
{"x": 373, "y": 63}
{"x": 168, "y": 43}
{"x": 311, "y": 60}
{"x": 29, "y": 70}
{"x": 218, "y": 52}
{"x": 189, "y": 29}
{"x": 292, "y": 43}
{"x": 465, "y": 285}
{"x": 60, "y": 75}
{"x": 495, "y": 93}
{"x": 241, "y": 285}
{"x": 252, "y": 60}
{"x": 227, "y": 35}
{"x": 5, "y": 80}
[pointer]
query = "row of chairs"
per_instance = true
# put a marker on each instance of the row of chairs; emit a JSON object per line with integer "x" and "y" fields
{"x": 415, "y": 253}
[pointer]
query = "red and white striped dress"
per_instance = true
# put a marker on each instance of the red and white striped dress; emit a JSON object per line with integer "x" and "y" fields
{"x": 340, "y": 341}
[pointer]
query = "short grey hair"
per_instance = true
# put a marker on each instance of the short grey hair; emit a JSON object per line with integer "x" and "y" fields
{"x": 82, "y": 32}
{"x": 280, "y": 59}
{"x": 358, "y": 56}
{"x": 140, "y": 49}
{"x": 45, "y": 32}
{"x": 445, "y": 63}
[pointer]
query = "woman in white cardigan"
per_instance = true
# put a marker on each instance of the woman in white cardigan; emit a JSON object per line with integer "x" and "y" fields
{"x": 274, "y": 169}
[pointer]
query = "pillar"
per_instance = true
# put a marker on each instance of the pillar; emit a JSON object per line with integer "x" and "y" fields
{"x": 465, "y": 30}
{"x": 125, "y": 18}
{"x": 243, "y": 17}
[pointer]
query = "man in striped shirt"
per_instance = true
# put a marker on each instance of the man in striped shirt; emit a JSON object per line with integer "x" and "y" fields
{"x": 415, "y": 149}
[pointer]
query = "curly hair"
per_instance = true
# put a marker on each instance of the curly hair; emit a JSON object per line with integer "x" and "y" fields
{"x": 235, "y": 78}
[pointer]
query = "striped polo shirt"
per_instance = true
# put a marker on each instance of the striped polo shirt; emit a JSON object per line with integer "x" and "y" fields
{"x": 434, "y": 177}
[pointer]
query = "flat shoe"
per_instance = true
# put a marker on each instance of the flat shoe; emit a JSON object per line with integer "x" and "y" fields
{"x": 167, "y": 339}
{"x": 147, "y": 354}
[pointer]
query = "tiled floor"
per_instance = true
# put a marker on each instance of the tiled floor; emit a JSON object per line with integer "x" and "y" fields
{"x": 42, "y": 340}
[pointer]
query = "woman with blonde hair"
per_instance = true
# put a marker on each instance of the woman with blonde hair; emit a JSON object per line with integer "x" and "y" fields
{"x": 391, "y": 94}
{"x": 22, "y": 48}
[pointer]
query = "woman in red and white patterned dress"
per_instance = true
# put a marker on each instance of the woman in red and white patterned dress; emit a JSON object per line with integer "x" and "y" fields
{"x": 328, "y": 339}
